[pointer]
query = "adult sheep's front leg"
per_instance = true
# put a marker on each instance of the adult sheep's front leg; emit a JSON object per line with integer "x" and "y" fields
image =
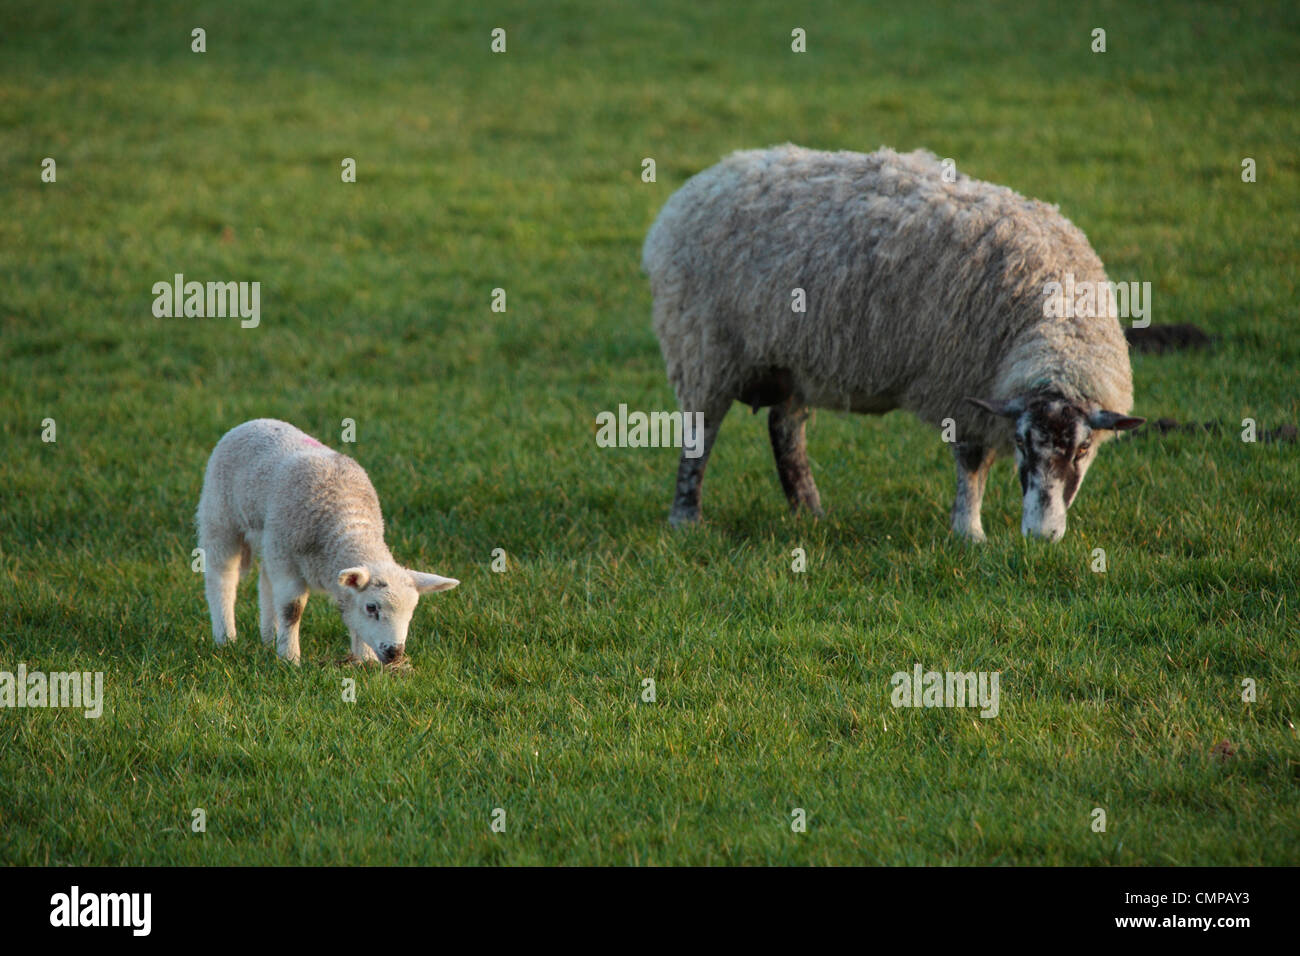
{"x": 973, "y": 463}
{"x": 785, "y": 426}
{"x": 697, "y": 443}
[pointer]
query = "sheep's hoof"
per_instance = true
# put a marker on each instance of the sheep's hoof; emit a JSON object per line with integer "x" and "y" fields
{"x": 683, "y": 519}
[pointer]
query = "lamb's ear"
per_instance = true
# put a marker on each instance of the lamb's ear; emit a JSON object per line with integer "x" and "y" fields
{"x": 1113, "y": 420}
{"x": 424, "y": 583}
{"x": 1010, "y": 408}
{"x": 354, "y": 578}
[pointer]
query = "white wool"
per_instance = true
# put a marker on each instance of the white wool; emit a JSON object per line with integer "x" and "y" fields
{"x": 310, "y": 514}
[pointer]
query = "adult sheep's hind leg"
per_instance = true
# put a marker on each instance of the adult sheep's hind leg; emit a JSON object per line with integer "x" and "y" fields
{"x": 785, "y": 426}
{"x": 695, "y": 458}
{"x": 973, "y": 463}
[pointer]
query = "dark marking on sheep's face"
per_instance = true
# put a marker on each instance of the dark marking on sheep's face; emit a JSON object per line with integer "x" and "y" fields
{"x": 771, "y": 386}
{"x": 1025, "y": 467}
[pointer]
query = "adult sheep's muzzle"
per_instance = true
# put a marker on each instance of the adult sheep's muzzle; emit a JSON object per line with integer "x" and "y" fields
{"x": 1049, "y": 532}
{"x": 1043, "y": 515}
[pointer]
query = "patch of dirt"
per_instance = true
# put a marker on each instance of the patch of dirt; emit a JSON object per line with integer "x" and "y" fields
{"x": 1175, "y": 337}
{"x": 1224, "y": 750}
{"x": 400, "y": 666}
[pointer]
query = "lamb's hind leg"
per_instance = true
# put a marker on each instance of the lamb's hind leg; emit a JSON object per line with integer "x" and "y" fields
{"x": 222, "y": 559}
{"x": 973, "y": 463}
{"x": 785, "y": 426}
{"x": 266, "y": 605}
{"x": 697, "y": 443}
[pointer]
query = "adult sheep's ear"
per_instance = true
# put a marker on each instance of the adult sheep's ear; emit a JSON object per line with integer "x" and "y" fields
{"x": 1113, "y": 420}
{"x": 1011, "y": 408}
{"x": 424, "y": 583}
{"x": 354, "y": 578}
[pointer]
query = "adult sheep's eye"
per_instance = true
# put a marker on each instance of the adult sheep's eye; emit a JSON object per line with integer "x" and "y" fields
{"x": 1083, "y": 450}
{"x": 373, "y": 610}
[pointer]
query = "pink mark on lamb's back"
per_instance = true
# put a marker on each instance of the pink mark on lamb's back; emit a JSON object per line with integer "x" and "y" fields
{"x": 308, "y": 440}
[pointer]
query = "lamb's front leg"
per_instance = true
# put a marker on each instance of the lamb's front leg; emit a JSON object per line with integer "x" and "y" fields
{"x": 361, "y": 651}
{"x": 973, "y": 462}
{"x": 290, "y": 600}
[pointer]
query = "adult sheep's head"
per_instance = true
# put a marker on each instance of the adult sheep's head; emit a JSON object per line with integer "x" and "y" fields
{"x": 377, "y": 602}
{"x": 1056, "y": 440}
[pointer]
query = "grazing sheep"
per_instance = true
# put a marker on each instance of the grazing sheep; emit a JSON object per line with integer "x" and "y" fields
{"x": 313, "y": 517}
{"x": 920, "y": 294}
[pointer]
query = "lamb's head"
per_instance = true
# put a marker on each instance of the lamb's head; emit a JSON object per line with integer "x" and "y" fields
{"x": 1056, "y": 440}
{"x": 377, "y": 602}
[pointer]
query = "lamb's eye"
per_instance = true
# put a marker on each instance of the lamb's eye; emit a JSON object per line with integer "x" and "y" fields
{"x": 1083, "y": 450}
{"x": 373, "y": 610}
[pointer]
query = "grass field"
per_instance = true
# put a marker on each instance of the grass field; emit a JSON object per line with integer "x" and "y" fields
{"x": 523, "y": 171}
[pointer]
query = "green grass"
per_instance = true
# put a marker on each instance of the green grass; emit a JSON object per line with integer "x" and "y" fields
{"x": 523, "y": 171}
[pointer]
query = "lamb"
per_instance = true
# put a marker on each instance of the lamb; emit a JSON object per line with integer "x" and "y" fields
{"x": 312, "y": 516}
{"x": 920, "y": 294}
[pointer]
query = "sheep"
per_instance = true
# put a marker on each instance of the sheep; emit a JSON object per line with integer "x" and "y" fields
{"x": 312, "y": 516}
{"x": 919, "y": 293}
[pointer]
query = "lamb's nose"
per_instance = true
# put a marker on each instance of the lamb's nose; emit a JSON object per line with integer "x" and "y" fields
{"x": 391, "y": 654}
